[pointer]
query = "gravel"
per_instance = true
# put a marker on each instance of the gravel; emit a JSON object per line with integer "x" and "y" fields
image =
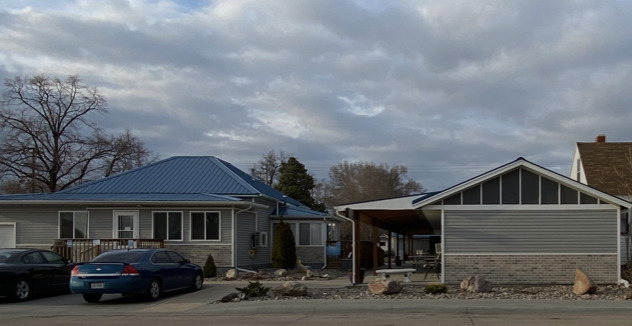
{"x": 417, "y": 291}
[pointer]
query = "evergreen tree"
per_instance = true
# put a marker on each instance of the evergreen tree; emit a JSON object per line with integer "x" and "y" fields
{"x": 284, "y": 247}
{"x": 296, "y": 182}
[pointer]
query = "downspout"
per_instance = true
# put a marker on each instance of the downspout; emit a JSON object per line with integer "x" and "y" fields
{"x": 353, "y": 248}
{"x": 325, "y": 246}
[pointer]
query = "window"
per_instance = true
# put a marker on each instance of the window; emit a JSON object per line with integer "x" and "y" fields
{"x": 472, "y": 196}
{"x": 73, "y": 225}
{"x": 491, "y": 191}
{"x": 310, "y": 234}
{"x": 161, "y": 257}
{"x": 511, "y": 187}
{"x": 168, "y": 225}
{"x": 33, "y": 258}
{"x": 530, "y": 188}
{"x": 568, "y": 195}
{"x": 453, "y": 200}
{"x": 549, "y": 192}
{"x": 53, "y": 258}
{"x": 205, "y": 226}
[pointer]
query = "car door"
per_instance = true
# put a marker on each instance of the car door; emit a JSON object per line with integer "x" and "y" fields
{"x": 185, "y": 273}
{"x": 59, "y": 269}
{"x": 167, "y": 270}
{"x": 39, "y": 271}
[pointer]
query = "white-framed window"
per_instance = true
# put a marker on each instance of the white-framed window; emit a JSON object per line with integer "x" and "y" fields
{"x": 125, "y": 224}
{"x": 167, "y": 225}
{"x": 73, "y": 224}
{"x": 205, "y": 226}
{"x": 306, "y": 233}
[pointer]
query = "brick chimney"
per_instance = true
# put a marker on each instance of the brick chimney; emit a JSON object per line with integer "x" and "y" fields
{"x": 601, "y": 138}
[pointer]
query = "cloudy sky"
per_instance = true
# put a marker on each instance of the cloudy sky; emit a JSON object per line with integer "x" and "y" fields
{"x": 449, "y": 89}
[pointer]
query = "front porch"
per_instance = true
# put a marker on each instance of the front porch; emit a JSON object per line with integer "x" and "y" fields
{"x": 82, "y": 250}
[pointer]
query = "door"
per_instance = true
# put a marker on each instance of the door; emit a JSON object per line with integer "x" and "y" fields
{"x": 125, "y": 224}
{"x": 7, "y": 235}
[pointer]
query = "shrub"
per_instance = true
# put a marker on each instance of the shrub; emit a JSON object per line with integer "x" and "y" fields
{"x": 284, "y": 248}
{"x": 210, "y": 270}
{"x": 254, "y": 289}
{"x": 434, "y": 288}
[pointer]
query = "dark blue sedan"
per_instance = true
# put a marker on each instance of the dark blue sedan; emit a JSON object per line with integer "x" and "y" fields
{"x": 135, "y": 271}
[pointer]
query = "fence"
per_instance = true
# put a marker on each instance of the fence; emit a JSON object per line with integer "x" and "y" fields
{"x": 82, "y": 250}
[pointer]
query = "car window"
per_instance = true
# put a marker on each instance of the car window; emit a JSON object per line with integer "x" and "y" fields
{"x": 53, "y": 258}
{"x": 123, "y": 256}
{"x": 33, "y": 258}
{"x": 160, "y": 257}
{"x": 175, "y": 257}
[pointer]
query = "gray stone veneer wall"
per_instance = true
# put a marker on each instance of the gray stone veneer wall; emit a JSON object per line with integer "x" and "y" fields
{"x": 531, "y": 269}
{"x": 198, "y": 253}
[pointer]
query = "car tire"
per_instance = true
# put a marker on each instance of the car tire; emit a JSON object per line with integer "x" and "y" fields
{"x": 21, "y": 290}
{"x": 154, "y": 291}
{"x": 92, "y": 297}
{"x": 198, "y": 282}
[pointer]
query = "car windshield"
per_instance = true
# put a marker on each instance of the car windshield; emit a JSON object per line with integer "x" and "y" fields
{"x": 119, "y": 257}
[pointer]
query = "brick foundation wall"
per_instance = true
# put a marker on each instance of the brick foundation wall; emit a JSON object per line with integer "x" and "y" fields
{"x": 531, "y": 269}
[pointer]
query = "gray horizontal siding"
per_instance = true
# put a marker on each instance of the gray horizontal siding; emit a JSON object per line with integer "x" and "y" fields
{"x": 529, "y": 232}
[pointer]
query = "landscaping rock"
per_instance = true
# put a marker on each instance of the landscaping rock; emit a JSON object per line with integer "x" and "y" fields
{"x": 292, "y": 289}
{"x": 232, "y": 274}
{"x": 280, "y": 272}
{"x": 583, "y": 284}
{"x": 475, "y": 284}
{"x": 384, "y": 286}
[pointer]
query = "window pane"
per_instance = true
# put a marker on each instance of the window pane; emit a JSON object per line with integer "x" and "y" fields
{"x": 316, "y": 237}
{"x": 549, "y": 192}
{"x": 212, "y": 226}
{"x": 453, "y": 200}
{"x": 160, "y": 225}
{"x": 81, "y": 225}
{"x": 175, "y": 226}
{"x": 586, "y": 199}
{"x": 569, "y": 196}
{"x": 197, "y": 226}
{"x": 491, "y": 192}
{"x": 472, "y": 196}
{"x": 530, "y": 188}
{"x": 304, "y": 233}
{"x": 66, "y": 226}
{"x": 511, "y": 190}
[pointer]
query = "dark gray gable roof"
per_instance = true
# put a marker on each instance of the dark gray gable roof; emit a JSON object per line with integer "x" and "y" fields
{"x": 178, "y": 177}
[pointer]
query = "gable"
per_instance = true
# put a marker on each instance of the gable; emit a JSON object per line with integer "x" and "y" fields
{"x": 520, "y": 183}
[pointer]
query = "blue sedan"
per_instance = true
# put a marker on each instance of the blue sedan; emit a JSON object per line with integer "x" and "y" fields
{"x": 135, "y": 271}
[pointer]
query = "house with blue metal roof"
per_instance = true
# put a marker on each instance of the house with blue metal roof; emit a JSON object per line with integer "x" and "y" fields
{"x": 198, "y": 205}
{"x": 519, "y": 223}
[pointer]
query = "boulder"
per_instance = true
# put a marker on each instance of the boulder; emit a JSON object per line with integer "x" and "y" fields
{"x": 230, "y": 297}
{"x": 300, "y": 267}
{"x": 232, "y": 274}
{"x": 291, "y": 289}
{"x": 583, "y": 283}
{"x": 280, "y": 272}
{"x": 476, "y": 284}
{"x": 384, "y": 286}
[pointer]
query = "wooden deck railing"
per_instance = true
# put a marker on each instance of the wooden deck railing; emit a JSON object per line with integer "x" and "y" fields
{"x": 82, "y": 250}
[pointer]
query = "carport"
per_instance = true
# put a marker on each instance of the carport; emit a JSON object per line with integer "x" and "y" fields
{"x": 395, "y": 215}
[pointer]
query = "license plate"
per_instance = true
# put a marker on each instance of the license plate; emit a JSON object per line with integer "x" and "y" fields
{"x": 97, "y": 285}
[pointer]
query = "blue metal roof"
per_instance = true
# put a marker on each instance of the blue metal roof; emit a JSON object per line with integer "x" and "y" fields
{"x": 179, "y": 178}
{"x": 294, "y": 211}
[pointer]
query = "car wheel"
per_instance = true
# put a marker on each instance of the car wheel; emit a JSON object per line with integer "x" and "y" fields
{"x": 198, "y": 281}
{"x": 21, "y": 290}
{"x": 153, "y": 292}
{"x": 92, "y": 297}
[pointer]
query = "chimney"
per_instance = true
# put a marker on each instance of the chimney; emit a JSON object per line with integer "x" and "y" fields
{"x": 601, "y": 138}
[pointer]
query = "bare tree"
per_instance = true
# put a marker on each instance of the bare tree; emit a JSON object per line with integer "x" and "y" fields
{"x": 267, "y": 169}
{"x": 353, "y": 182}
{"x": 48, "y": 142}
{"x": 127, "y": 152}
